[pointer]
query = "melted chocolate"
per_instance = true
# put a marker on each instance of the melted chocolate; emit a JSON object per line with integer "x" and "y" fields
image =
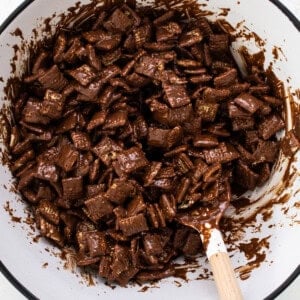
{"x": 118, "y": 141}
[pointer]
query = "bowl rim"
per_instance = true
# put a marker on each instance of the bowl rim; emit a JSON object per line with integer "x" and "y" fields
{"x": 16, "y": 283}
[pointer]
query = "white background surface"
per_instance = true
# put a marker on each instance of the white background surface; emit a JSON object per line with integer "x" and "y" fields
{"x": 8, "y": 292}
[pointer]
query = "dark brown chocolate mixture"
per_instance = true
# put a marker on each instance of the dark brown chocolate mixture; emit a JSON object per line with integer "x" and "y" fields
{"x": 129, "y": 119}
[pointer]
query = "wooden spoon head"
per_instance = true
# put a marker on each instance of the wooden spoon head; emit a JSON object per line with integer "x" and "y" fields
{"x": 204, "y": 218}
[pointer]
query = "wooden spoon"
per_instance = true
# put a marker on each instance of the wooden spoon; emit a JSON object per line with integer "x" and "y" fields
{"x": 206, "y": 220}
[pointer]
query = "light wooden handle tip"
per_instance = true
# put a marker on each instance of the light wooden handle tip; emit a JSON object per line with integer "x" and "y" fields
{"x": 224, "y": 276}
{"x": 223, "y": 272}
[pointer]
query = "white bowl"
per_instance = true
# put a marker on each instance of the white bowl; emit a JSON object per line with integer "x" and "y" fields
{"x": 22, "y": 259}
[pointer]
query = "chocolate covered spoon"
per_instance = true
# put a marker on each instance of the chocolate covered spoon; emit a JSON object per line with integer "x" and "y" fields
{"x": 206, "y": 221}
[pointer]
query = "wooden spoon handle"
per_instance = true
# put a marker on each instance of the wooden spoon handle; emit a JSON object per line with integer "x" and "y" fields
{"x": 224, "y": 276}
{"x": 226, "y": 282}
